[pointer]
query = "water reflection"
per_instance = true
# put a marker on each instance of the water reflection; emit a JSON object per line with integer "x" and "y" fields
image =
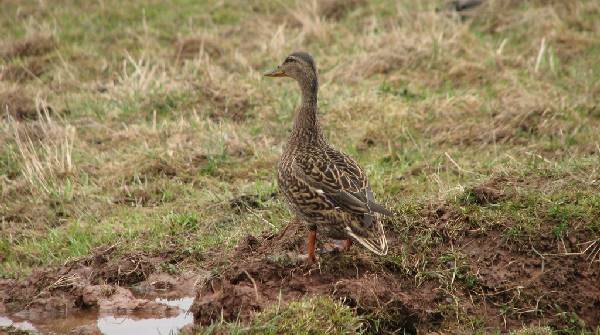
{"x": 24, "y": 325}
{"x": 111, "y": 324}
{"x": 114, "y": 325}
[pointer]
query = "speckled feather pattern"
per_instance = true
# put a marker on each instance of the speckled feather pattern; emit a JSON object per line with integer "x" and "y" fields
{"x": 324, "y": 187}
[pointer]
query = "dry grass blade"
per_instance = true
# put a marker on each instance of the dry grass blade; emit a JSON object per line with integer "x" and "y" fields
{"x": 48, "y": 157}
{"x": 309, "y": 17}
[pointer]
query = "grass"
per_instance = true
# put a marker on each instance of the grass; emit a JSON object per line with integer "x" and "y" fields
{"x": 316, "y": 315}
{"x": 136, "y": 124}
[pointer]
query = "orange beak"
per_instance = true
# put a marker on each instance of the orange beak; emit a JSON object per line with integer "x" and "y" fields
{"x": 276, "y": 73}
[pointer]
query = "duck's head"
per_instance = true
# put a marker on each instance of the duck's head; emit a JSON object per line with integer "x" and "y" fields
{"x": 298, "y": 65}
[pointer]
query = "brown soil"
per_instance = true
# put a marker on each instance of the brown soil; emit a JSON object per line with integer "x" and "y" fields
{"x": 506, "y": 285}
{"x": 547, "y": 286}
{"x": 86, "y": 330}
{"x": 266, "y": 270}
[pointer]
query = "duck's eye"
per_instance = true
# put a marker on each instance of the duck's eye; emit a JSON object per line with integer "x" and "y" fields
{"x": 288, "y": 60}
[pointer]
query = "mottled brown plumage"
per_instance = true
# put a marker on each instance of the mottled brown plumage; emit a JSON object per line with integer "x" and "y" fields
{"x": 324, "y": 187}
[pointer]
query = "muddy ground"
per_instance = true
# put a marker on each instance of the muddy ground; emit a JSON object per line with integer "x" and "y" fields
{"x": 496, "y": 282}
{"x": 503, "y": 284}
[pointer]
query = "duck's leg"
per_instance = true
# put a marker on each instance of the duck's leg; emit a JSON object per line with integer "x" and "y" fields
{"x": 310, "y": 245}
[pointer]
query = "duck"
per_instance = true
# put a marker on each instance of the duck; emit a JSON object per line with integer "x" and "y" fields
{"x": 324, "y": 188}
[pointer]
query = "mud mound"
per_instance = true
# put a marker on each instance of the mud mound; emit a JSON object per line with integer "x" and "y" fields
{"x": 232, "y": 105}
{"x": 267, "y": 270}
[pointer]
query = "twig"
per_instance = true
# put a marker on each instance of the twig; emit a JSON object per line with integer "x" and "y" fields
{"x": 540, "y": 55}
{"x": 456, "y": 164}
{"x": 253, "y": 284}
{"x": 259, "y": 216}
{"x": 541, "y": 256}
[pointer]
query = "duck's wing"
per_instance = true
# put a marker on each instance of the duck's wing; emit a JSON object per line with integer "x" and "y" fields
{"x": 338, "y": 177}
{"x": 341, "y": 179}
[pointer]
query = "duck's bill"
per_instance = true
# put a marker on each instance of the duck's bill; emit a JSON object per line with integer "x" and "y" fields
{"x": 275, "y": 73}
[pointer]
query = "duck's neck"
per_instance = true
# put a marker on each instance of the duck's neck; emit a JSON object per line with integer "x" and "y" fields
{"x": 306, "y": 123}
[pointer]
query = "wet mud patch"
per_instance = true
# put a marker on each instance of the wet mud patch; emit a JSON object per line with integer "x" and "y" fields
{"x": 96, "y": 322}
{"x": 472, "y": 275}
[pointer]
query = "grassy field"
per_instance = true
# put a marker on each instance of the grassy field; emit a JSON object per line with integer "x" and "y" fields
{"x": 148, "y": 127}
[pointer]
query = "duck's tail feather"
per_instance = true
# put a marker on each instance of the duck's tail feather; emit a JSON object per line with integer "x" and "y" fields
{"x": 376, "y": 242}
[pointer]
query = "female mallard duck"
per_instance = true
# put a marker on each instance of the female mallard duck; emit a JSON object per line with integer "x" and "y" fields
{"x": 324, "y": 187}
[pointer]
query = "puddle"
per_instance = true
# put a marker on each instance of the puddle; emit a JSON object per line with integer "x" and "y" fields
{"x": 25, "y": 325}
{"x": 129, "y": 324}
{"x": 115, "y": 325}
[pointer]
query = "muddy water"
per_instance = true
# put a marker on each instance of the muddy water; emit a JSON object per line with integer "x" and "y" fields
{"x": 6, "y": 322}
{"x": 115, "y": 325}
{"x": 110, "y": 324}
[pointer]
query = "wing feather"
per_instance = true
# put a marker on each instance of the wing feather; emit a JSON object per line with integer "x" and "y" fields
{"x": 342, "y": 180}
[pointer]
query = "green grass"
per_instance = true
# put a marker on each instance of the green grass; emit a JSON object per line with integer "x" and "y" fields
{"x": 172, "y": 119}
{"x": 316, "y": 315}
